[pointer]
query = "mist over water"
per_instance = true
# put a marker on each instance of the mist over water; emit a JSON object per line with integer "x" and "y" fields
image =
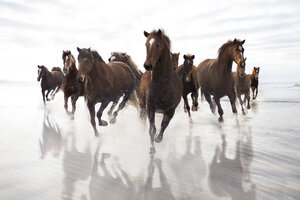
{"x": 47, "y": 155}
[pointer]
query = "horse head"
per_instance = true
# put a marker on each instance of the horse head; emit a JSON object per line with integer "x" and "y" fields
{"x": 188, "y": 66}
{"x": 85, "y": 63}
{"x": 241, "y": 68}
{"x": 255, "y": 72}
{"x": 238, "y": 52}
{"x": 156, "y": 43}
{"x": 68, "y": 61}
{"x": 41, "y": 72}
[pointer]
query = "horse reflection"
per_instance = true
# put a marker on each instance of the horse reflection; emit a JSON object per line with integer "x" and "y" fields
{"x": 190, "y": 170}
{"x": 51, "y": 139}
{"x": 107, "y": 186}
{"x": 148, "y": 192}
{"x": 226, "y": 175}
{"x": 77, "y": 166}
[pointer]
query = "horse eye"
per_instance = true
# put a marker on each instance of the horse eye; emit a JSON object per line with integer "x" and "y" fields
{"x": 157, "y": 45}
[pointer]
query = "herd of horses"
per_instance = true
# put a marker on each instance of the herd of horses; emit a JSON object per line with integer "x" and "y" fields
{"x": 159, "y": 89}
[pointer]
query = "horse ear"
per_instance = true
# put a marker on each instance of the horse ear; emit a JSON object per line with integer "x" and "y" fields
{"x": 39, "y": 66}
{"x": 184, "y": 56}
{"x": 146, "y": 34}
{"x": 78, "y": 49}
{"x": 245, "y": 59}
{"x": 234, "y": 41}
{"x": 243, "y": 42}
{"x": 159, "y": 32}
{"x": 178, "y": 54}
{"x": 123, "y": 54}
{"x": 193, "y": 56}
{"x": 89, "y": 49}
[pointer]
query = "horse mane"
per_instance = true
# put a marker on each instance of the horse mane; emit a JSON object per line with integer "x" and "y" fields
{"x": 166, "y": 40}
{"x": 223, "y": 48}
{"x": 96, "y": 55}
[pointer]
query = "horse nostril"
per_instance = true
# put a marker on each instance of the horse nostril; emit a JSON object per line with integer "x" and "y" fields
{"x": 148, "y": 67}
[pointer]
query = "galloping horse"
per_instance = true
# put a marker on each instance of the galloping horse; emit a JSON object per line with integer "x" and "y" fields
{"x": 51, "y": 81}
{"x": 189, "y": 76}
{"x": 254, "y": 81}
{"x": 104, "y": 83}
{"x": 161, "y": 90}
{"x": 242, "y": 85}
{"x": 72, "y": 88}
{"x": 216, "y": 77}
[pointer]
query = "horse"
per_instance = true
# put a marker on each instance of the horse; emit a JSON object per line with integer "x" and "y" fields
{"x": 71, "y": 87}
{"x": 125, "y": 58}
{"x": 242, "y": 85}
{"x": 254, "y": 81}
{"x": 51, "y": 81}
{"x": 161, "y": 89}
{"x": 216, "y": 77}
{"x": 104, "y": 82}
{"x": 189, "y": 76}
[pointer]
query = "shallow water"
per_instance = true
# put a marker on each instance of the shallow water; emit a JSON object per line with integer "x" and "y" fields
{"x": 47, "y": 155}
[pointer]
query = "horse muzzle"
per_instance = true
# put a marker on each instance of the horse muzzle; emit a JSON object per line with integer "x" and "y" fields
{"x": 81, "y": 79}
{"x": 148, "y": 67}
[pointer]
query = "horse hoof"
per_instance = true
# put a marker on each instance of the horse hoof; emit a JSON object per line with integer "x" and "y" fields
{"x": 102, "y": 123}
{"x": 113, "y": 120}
{"x": 185, "y": 110}
{"x": 244, "y": 113}
{"x": 194, "y": 108}
{"x": 221, "y": 120}
{"x": 248, "y": 107}
{"x": 158, "y": 138}
{"x": 152, "y": 150}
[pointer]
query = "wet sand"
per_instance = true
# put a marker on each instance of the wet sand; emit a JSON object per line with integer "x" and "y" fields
{"x": 47, "y": 155}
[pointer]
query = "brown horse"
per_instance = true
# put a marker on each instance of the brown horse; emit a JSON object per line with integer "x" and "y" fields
{"x": 125, "y": 58}
{"x": 189, "y": 76}
{"x": 216, "y": 77}
{"x": 242, "y": 85}
{"x": 254, "y": 81}
{"x": 72, "y": 88}
{"x": 104, "y": 83}
{"x": 162, "y": 88}
{"x": 51, "y": 81}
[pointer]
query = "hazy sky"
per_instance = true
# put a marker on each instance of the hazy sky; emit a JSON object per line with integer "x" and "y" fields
{"x": 36, "y": 32}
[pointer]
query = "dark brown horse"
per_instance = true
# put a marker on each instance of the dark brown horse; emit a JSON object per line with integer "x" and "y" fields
{"x": 216, "y": 77}
{"x": 189, "y": 76}
{"x": 72, "y": 88}
{"x": 254, "y": 81}
{"x": 162, "y": 88}
{"x": 104, "y": 83}
{"x": 51, "y": 81}
{"x": 242, "y": 85}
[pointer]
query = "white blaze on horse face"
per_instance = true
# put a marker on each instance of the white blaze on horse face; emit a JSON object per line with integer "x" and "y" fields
{"x": 240, "y": 48}
{"x": 39, "y": 71}
{"x": 151, "y": 42}
{"x": 112, "y": 58}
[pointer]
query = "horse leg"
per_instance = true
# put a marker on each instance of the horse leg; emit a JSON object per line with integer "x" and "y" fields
{"x": 165, "y": 122}
{"x": 66, "y": 103}
{"x": 109, "y": 113}
{"x": 74, "y": 99}
{"x": 195, "y": 101}
{"x": 202, "y": 94}
{"x": 152, "y": 129}
{"x": 91, "y": 107}
{"x": 253, "y": 88}
{"x": 220, "y": 110}
{"x": 241, "y": 102}
{"x": 247, "y": 96}
{"x": 211, "y": 105}
{"x": 43, "y": 94}
{"x": 56, "y": 91}
{"x": 48, "y": 91}
{"x": 121, "y": 106}
{"x": 186, "y": 105}
{"x": 100, "y": 112}
{"x": 256, "y": 92}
